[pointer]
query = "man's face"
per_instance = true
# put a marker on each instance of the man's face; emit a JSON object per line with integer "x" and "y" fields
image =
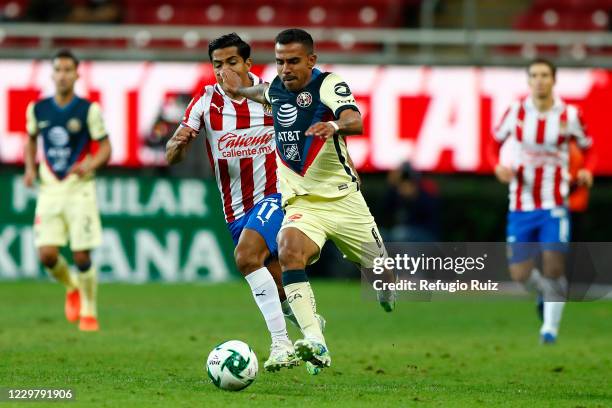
{"x": 541, "y": 80}
{"x": 64, "y": 75}
{"x": 294, "y": 65}
{"x": 228, "y": 58}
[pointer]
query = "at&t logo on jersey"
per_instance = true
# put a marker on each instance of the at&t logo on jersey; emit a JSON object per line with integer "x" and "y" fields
{"x": 287, "y": 115}
{"x": 58, "y": 136}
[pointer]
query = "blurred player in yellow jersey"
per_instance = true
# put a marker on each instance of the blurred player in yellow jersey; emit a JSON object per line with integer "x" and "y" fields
{"x": 66, "y": 209}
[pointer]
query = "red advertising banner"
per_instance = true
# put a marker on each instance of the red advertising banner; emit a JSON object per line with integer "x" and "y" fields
{"x": 440, "y": 119}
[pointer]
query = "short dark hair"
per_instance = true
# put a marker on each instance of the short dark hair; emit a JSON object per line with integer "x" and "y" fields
{"x": 543, "y": 61}
{"x": 230, "y": 40}
{"x": 66, "y": 53}
{"x": 296, "y": 35}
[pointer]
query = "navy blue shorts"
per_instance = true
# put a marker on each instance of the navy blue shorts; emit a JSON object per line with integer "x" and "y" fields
{"x": 266, "y": 218}
{"x": 549, "y": 228}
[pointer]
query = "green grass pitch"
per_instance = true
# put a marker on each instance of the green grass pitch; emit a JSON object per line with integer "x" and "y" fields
{"x": 155, "y": 339}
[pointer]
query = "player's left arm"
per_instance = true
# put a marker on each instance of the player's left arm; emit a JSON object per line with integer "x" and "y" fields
{"x": 577, "y": 129}
{"x": 337, "y": 96}
{"x": 97, "y": 132}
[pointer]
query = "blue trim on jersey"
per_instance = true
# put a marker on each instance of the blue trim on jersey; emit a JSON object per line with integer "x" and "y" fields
{"x": 67, "y": 106}
{"x": 315, "y": 73}
{"x": 266, "y": 218}
{"x": 550, "y": 228}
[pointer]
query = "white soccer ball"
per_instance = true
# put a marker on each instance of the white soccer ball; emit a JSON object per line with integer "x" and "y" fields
{"x": 232, "y": 365}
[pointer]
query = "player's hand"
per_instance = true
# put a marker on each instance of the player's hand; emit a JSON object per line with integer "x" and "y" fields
{"x": 81, "y": 169}
{"x": 584, "y": 178}
{"x": 504, "y": 174}
{"x": 184, "y": 136}
{"x": 321, "y": 129}
{"x": 230, "y": 81}
{"x": 29, "y": 177}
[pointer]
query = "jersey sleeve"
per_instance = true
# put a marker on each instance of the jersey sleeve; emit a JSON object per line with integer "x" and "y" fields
{"x": 506, "y": 126}
{"x": 336, "y": 95}
{"x": 577, "y": 128}
{"x": 194, "y": 113}
{"x": 31, "y": 122}
{"x": 95, "y": 122}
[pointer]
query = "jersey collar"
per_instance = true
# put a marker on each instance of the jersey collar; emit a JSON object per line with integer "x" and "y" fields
{"x": 558, "y": 105}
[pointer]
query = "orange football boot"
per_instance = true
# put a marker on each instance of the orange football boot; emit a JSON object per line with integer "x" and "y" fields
{"x": 72, "y": 307}
{"x": 89, "y": 323}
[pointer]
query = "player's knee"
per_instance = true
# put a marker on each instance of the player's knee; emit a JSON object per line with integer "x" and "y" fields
{"x": 82, "y": 260}
{"x": 247, "y": 260}
{"x": 291, "y": 257}
{"x": 554, "y": 271}
{"x": 519, "y": 274}
{"x": 48, "y": 257}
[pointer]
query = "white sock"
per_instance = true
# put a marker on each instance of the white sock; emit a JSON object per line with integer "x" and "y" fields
{"x": 552, "y": 317}
{"x": 288, "y": 312}
{"x": 265, "y": 294}
{"x": 554, "y": 291}
{"x": 304, "y": 309}
{"x": 535, "y": 282}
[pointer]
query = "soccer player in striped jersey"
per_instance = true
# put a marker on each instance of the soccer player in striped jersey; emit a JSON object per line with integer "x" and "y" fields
{"x": 66, "y": 208}
{"x": 240, "y": 141}
{"x": 541, "y": 127}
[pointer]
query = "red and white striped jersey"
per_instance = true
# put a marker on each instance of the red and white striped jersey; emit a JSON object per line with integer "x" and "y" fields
{"x": 241, "y": 148}
{"x": 540, "y": 152}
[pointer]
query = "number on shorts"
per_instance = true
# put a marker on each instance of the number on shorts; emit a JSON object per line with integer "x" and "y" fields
{"x": 265, "y": 205}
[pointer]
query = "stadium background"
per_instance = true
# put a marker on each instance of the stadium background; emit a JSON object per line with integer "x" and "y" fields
{"x": 431, "y": 77}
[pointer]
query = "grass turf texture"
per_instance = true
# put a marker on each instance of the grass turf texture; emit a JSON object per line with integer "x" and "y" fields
{"x": 155, "y": 339}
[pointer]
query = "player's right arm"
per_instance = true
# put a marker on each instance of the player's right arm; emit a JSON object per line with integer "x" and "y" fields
{"x": 179, "y": 143}
{"x": 231, "y": 84}
{"x": 30, "y": 147}
{"x": 504, "y": 130}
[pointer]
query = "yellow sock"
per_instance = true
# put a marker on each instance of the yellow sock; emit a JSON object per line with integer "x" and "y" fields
{"x": 61, "y": 272}
{"x": 303, "y": 305}
{"x": 89, "y": 290}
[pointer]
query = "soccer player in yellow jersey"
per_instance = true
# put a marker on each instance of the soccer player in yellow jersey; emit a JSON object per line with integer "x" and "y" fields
{"x": 66, "y": 209}
{"x": 313, "y": 112}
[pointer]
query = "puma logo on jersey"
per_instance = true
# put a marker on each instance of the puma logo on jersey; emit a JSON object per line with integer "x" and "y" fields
{"x": 219, "y": 109}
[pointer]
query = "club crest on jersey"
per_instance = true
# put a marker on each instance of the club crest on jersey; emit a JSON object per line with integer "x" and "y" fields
{"x": 291, "y": 152}
{"x": 304, "y": 99}
{"x": 74, "y": 125}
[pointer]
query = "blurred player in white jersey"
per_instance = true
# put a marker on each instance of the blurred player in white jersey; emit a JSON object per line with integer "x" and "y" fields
{"x": 541, "y": 127}
{"x": 66, "y": 209}
{"x": 241, "y": 149}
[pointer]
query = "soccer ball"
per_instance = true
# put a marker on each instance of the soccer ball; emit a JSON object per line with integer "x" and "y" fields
{"x": 232, "y": 365}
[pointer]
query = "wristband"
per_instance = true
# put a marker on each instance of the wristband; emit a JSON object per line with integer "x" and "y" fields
{"x": 334, "y": 125}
